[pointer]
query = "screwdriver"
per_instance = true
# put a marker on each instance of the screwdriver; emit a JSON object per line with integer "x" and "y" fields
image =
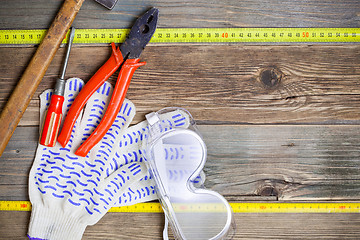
{"x": 54, "y": 113}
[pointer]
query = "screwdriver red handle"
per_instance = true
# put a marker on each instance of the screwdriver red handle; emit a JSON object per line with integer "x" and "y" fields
{"x": 54, "y": 113}
{"x": 52, "y": 121}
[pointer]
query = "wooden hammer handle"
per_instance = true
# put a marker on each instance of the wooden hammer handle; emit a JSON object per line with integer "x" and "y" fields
{"x": 25, "y": 89}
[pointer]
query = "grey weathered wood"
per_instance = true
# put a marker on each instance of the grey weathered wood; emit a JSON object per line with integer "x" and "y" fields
{"x": 187, "y": 13}
{"x": 288, "y": 162}
{"x": 248, "y": 226}
{"x": 221, "y": 84}
{"x": 280, "y": 122}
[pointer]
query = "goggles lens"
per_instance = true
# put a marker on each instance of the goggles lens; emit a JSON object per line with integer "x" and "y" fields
{"x": 176, "y": 159}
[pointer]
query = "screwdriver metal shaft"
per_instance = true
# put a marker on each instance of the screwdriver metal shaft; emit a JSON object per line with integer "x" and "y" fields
{"x": 54, "y": 113}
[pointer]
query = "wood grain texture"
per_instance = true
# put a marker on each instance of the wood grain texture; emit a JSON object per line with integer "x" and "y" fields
{"x": 287, "y": 162}
{"x": 187, "y": 13}
{"x": 221, "y": 84}
{"x": 25, "y": 88}
{"x": 248, "y": 226}
{"x": 280, "y": 122}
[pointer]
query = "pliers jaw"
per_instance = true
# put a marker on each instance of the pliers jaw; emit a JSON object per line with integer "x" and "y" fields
{"x": 140, "y": 34}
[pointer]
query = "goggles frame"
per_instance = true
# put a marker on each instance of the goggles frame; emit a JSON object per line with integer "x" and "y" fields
{"x": 158, "y": 131}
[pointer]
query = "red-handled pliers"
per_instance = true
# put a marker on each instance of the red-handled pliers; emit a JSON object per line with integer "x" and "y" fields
{"x": 126, "y": 57}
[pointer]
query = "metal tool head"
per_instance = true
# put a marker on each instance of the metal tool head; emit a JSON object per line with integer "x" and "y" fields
{"x": 140, "y": 34}
{"x": 109, "y": 4}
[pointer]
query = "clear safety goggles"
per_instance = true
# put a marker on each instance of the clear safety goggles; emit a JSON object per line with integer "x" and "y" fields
{"x": 175, "y": 158}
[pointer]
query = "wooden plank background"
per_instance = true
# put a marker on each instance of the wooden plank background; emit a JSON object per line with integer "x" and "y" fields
{"x": 281, "y": 122}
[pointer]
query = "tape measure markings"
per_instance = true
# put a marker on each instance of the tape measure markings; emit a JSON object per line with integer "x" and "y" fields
{"x": 197, "y": 35}
{"x": 243, "y": 207}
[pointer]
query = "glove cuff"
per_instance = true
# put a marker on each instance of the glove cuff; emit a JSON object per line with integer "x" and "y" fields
{"x": 53, "y": 224}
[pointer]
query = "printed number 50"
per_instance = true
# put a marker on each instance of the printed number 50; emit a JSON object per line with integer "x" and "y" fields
{"x": 305, "y": 34}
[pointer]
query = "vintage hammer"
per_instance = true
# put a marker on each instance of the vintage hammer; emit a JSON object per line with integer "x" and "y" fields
{"x": 35, "y": 71}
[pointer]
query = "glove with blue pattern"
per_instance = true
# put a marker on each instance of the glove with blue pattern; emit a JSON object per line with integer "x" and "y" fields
{"x": 69, "y": 192}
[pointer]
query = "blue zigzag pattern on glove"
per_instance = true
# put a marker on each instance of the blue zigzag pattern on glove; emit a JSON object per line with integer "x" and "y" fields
{"x": 77, "y": 180}
{"x": 135, "y": 138}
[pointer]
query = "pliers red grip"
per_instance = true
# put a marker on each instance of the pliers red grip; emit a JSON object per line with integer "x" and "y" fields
{"x": 126, "y": 57}
{"x": 127, "y": 70}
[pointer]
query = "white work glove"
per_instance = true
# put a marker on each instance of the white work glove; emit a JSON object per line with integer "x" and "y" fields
{"x": 69, "y": 192}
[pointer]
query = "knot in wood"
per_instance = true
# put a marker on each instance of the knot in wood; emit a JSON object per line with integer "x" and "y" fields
{"x": 268, "y": 191}
{"x": 271, "y": 77}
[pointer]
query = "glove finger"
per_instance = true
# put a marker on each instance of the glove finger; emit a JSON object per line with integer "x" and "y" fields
{"x": 144, "y": 190}
{"x": 112, "y": 137}
{"x": 131, "y": 145}
{"x": 113, "y": 187}
{"x": 72, "y": 87}
{"x": 125, "y": 176}
{"x": 93, "y": 113}
{"x": 140, "y": 191}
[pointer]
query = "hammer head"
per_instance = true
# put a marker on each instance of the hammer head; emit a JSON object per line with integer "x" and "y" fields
{"x": 107, "y": 3}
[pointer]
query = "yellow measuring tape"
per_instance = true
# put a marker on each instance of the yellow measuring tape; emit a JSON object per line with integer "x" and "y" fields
{"x": 198, "y": 35}
{"x": 243, "y": 207}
